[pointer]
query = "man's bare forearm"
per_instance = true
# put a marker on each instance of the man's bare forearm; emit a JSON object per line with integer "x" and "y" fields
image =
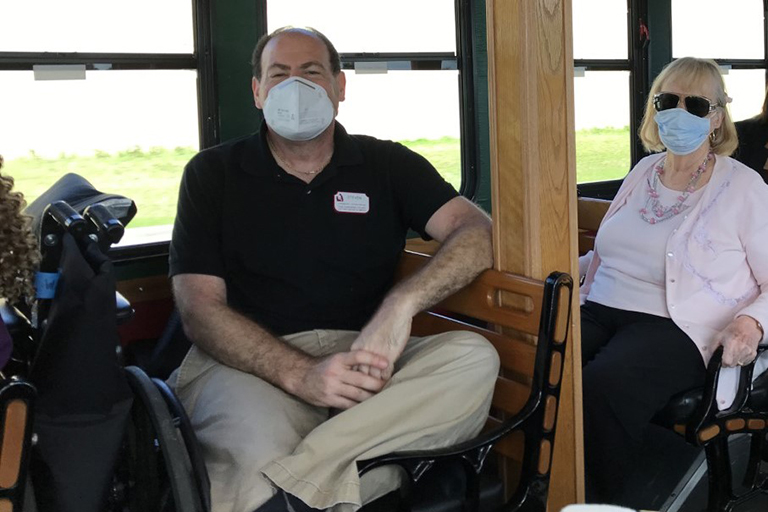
{"x": 235, "y": 340}
{"x": 463, "y": 256}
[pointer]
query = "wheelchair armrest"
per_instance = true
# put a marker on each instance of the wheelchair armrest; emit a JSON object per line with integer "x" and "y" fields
{"x": 15, "y": 321}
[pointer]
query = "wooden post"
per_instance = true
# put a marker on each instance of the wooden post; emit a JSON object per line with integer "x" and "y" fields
{"x": 533, "y": 177}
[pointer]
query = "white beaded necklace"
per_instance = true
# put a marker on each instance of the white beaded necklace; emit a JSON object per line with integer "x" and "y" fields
{"x": 652, "y": 204}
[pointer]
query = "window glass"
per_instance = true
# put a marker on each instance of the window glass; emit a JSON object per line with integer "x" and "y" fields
{"x": 97, "y": 26}
{"x": 747, "y": 88}
{"x": 418, "y": 108}
{"x": 718, "y": 30}
{"x": 602, "y": 125}
{"x": 355, "y": 27}
{"x": 127, "y": 132}
{"x": 600, "y": 29}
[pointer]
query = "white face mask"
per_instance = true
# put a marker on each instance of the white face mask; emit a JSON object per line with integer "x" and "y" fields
{"x": 298, "y": 109}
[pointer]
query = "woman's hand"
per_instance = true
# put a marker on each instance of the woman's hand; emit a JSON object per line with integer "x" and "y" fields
{"x": 739, "y": 340}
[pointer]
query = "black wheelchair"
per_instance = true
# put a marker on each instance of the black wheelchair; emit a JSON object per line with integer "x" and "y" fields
{"x": 80, "y": 432}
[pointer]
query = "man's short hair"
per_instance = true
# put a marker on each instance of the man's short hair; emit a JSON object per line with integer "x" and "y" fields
{"x": 333, "y": 55}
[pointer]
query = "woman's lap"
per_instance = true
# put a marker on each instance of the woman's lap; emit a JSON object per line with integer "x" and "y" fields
{"x": 634, "y": 365}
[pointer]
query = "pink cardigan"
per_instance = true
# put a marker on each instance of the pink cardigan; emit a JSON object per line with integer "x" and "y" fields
{"x": 716, "y": 261}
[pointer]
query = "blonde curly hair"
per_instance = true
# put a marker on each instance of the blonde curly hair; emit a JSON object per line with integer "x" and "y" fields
{"x": 18, "y": 250}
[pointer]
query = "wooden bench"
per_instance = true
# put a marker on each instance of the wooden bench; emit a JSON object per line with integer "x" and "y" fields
{"x": 526, "y": 320}
{"x": 590, "y": 214}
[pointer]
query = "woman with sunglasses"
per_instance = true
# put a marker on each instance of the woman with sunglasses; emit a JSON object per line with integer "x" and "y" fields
{"x": 680, "y": 267}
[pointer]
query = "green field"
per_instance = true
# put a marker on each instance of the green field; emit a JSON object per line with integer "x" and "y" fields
{"x": 151, "y": 177}
{"x": 444, "y": 154}
{"x": 602, "y": 154}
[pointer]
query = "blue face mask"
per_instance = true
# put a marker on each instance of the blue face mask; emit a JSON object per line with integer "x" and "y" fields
{"x": 680, "y": 131}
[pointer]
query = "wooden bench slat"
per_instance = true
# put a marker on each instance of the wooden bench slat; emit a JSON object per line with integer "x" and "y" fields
{"x": 591, "y": 212}
{"x": 145, "y": 289}
{"x": 516, "y": 355}
{"x": 586, "y": 241}
{"x": 510, "y": 396}
{"x": 480, "y": 299}
{"x": 510, "y": 446}
{"x": 13, "y": 442}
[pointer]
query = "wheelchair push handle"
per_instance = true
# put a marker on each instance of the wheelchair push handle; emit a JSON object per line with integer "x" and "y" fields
{"x": 107, "y": 225}
{"x": 67, "y": 217}
{"x": 97, "y": 223}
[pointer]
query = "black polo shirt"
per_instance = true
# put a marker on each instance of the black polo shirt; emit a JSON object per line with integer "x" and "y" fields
{"x": 299, "y": 256}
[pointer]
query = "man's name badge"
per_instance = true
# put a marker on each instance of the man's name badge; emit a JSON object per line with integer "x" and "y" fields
{"x": 351, "y": 202}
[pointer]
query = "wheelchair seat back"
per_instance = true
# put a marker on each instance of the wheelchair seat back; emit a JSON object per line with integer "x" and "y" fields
{"x": 79, "y": 193}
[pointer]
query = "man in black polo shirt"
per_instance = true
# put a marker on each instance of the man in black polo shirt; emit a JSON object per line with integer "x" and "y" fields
{"x": 282, "y": 259}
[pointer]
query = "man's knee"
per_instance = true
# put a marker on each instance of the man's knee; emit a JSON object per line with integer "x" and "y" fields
{"x": 239, "y": 417}
{"x": 474, "y": 351}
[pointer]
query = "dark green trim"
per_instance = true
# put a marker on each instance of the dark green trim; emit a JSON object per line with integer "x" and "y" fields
{"x": 639, "y": 41}
{"x": 98, "y": 61}
{"x": 660, "y": 28}
{"x": 465, "y": 49}
{"x": 208, "y": 112}
{"x": 147, "y": 267}
{"x": 236, "y": 28}
{"x": 482, "y": 119}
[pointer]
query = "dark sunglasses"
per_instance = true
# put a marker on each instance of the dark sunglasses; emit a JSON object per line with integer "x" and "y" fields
{"x": 696, "y": 105}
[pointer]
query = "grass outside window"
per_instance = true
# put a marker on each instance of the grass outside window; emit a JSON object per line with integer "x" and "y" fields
{"x": 151, "y": 177}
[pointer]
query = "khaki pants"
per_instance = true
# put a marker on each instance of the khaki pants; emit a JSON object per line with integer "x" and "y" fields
{"x": 255, "y": 436}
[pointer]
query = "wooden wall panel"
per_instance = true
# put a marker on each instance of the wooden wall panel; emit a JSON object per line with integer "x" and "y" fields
{"x": 533, "y": 175}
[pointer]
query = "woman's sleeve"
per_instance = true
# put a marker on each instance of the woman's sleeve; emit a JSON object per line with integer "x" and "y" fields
{"x": 754, "y": 236}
